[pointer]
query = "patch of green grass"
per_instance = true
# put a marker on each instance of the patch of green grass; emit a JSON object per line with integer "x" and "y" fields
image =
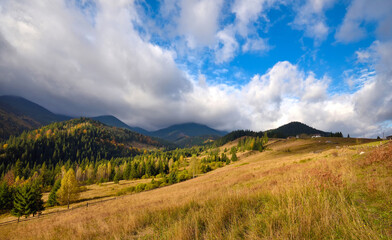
{"x": 242, "y": 164}
{"x": 305, "y": 160}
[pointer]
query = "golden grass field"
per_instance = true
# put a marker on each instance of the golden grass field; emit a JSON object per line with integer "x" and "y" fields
{"x": 296, "y": 189}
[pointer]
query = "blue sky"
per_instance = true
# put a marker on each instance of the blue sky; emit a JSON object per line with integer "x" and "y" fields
{"x": 251, "y": 64}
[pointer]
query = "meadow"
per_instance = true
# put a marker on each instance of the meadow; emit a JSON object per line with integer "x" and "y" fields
{"x": 322, "y": 188}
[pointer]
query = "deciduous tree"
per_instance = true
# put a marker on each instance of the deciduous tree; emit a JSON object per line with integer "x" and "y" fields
{"x": 69, "y": 190}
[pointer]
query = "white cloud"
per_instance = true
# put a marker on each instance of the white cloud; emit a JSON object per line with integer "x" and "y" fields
{"x": 58, "y": 54}
{"x": 248, "y": 11}
{"x": 199, "y": 21}
{"x": 310, "y": 17}
{"x": 255, "y": 45}
{"x": 365, "y": 11}
{"x": 374, "y": 100}
{"x": 52, "y": 53}
{"x": 227, "y": 46}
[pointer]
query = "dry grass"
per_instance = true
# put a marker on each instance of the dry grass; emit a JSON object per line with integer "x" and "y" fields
{"x": 269, "y": 195}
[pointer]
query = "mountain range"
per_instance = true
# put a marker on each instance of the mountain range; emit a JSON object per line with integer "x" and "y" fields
{"x": 18, "y": 114}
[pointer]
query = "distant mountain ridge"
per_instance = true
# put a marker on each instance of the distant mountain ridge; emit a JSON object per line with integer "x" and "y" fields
{"x": 294, "y": 129}
{"x": 291, "y": 129}
{"x": 76, "y": 140}
{"x": 18, "y": 114}
{"x": 115, "y": 122}
{"x": 188, "y": 134}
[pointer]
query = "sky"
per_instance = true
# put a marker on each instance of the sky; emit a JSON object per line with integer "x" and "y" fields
{"x": 238, "y": 64}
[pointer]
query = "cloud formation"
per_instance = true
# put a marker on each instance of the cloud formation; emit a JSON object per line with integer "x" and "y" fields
{"x": 95, "y": 59}
{"x": 361, "y": 12}
{"x": 310, "y": 17}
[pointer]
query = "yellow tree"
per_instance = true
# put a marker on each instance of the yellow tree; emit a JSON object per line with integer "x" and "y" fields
{"x": 69, "y": 190}
{"x": 193, "y": 166}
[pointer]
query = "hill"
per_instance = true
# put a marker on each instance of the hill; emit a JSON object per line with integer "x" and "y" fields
{"x": 115, "y": 122}
{"x": 294, "y": 129}
{"x": 237, "y": 134}
{"x": 74, "y": 140}
{"x": 18, "y": 114}
{"x": 317, "y": 190}
{"x": 188, "y": 134}
{"x": 287, "y": 130}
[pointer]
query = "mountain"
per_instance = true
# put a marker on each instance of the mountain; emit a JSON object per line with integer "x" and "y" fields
{"x": 74, "y": 140}
{"x": 188, "y": 134}
{"x": 287, "y": 130}
{"x": 18, "y": 114}
{"x": 293, "y": 129}
{"x": 115, "y": 122}
{"x": 237, "y": 134}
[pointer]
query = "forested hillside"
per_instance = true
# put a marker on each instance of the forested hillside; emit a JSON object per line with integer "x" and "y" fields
{"x": 18, "y": 114}
{"x": 74, "y": 140}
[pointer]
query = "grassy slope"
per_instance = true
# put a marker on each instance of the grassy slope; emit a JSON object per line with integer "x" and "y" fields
{"x": 298, "y": 189}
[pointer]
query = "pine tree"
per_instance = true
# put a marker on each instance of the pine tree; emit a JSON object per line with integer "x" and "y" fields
{"x": 52, "y": 200}
{"x": 24, "y": 201}
{"x": 5, "y": 196}
{"x": 234, "y": 157}
{"x": 38, "y": 205}
{"x": 116, "y": 178}
{"x": 69, "y": 190}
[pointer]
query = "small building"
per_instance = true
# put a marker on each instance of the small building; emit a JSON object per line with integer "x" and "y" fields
{"x": 389, "y": 138}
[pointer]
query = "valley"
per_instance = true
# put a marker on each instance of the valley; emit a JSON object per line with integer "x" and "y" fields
{"x": 298, "y": 188}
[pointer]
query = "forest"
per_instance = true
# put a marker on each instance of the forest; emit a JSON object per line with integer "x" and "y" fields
{"x": 87, "y": 152}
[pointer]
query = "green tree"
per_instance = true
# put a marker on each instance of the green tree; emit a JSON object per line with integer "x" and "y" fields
{"x": 116, "y": 178}
{"x": 234, "y": 157}
{"x": 5, "y": 197}
{"x": 52, "y": 200}
{"x": 24, "y": 201}
{"x": 69, "y": 190}
{"x": 38, "y": 205}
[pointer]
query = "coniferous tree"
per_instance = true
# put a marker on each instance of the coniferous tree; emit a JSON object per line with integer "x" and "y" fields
{"x": 38, "y": 205}
{"x": 5, "y": 197}
{"x": 234, "y": 157}
{"x": 24, "y": 201}
{"x": 52, "y": 200}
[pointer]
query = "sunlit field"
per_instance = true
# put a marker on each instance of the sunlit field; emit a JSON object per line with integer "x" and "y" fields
{"x": 325, "y": 188}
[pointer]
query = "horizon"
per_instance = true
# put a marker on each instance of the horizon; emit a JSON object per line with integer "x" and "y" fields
{"x": 224, "y": 64}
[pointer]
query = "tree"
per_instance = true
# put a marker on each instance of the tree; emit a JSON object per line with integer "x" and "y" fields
{"x": 193, "y": 166}
{"x": 52, "y": 200}
{"x": 5, "y": 196}
{"x": 24, "y": 201}
{"x": 116, "y": 178}
{"x": 69, "y": 190}
{"x": 38, "y": 205}
{"x": 234, "y": 157}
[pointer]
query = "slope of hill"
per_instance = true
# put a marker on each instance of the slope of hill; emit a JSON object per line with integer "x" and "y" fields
{"x": 293, "y": 129}
{"x": 287, "y": 130}
{"x": 115, "y": 122}
{"x": 18, "y": 114}
{"x": 237, "y": 134}
{"x": 313, "y": 191}
{"x": 185, "y": 133}
{"x": 74, "y": 140}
